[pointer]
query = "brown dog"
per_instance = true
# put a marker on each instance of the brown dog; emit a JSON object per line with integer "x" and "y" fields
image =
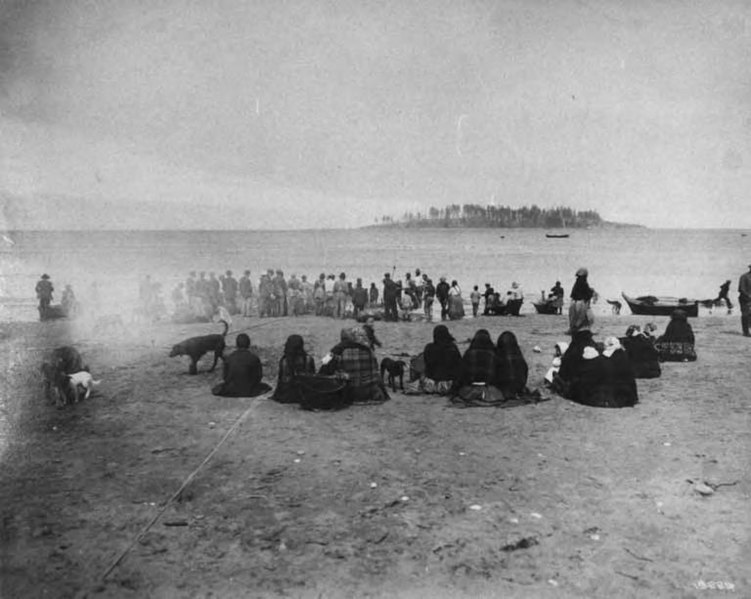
{"x": 196, "y": 347}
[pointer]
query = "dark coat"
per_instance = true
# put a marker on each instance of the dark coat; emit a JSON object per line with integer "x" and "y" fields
{"x": 242, "y": 375}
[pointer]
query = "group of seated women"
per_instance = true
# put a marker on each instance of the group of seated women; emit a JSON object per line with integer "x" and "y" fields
{"x": 351, "y": 362}
{"x": 487, "y": 373}
{"x": 595, "y": 374}
{"x": 590, "y": 373}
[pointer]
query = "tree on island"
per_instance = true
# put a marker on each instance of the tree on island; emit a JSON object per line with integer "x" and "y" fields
{"x": 495, "y": 216}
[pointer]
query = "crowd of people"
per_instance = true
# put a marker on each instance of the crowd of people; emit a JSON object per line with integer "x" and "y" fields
{"x": 336, "y": 296}
{"x": 488, "y": 373}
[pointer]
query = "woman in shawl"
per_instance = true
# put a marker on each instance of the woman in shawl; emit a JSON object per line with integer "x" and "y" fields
{"x": 580, "y": 315}
{"x": 512, "y": 367}
{"x": 677, "y": 343}
{"x": 352, "y": 356}
{"x": 642, "y": 353}
{"x": 620, "y": 384}
{"x": 294, "y": 361}
{"x": 456, "y": 303}
{"x": 441, "y": 364}
{"x": 478, "y": 379}
{"x": 572, "y": 363}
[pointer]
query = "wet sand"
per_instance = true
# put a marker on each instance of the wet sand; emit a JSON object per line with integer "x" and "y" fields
{"x": 412, "y": 498}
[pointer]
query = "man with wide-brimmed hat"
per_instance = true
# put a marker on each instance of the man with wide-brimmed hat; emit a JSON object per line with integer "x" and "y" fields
{"x": 44, "y": 291}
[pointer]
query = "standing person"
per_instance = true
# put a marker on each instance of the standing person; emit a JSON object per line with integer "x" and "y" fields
{"x": 214, "y": 296}
{"x": 580, "y": 315}
{"x": 319, "y": 294}
{"x": 373, "y": 295}
{"x": 456, "y": 303}
{"x": 44, "y": 289}
{"x": 744, "y": 299}
{"x": 229, "y": 288}
{"x": 489, "y": 295}
{"x": 279, "y": 290}
{"x": 190, "y": 289}
{"x": 359, "y": 298}
{"x": 307, "y": 291}
{"x": 723, "y": 295}
{"x": 390, "y": 297}
{"x": 442, "y": 295}
{"x": 556, "y": 294}
{"x": 69, "y": 303}
{"x": 340, "y": 296}
{"x": 410, "y": 288}
{"x": 475, "y": 299}
{"x": 245, "y": 288}
{"x": 178, "y": 300}
{"x": 428, "y": 295}
{"x": 202, "y": 294}
{"x": 266, "y": 301}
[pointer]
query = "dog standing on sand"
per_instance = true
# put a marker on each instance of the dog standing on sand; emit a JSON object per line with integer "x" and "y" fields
{"x": 395, "y": 369}
{"x": 62, "y": 362}
{"x": 196, "y": 347}
{"x": 81, "y": 381}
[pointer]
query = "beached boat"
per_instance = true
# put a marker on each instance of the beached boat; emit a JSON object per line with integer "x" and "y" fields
{"x": 652, "y": 305}
{"x": 556, "y": 235}
{"x": 510, "y": 308}
{"x": 546, "y": 307}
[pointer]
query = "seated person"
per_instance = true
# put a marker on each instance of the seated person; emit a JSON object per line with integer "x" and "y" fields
{"x": 596, "y": 379}
{"x": 242, "y": 372}
{"x": 677, "y": 343}
{"x": 477, "y": 382}
{"x": 559, "y": 349}
{"x": 294, "y": 361}
{"x": 353, "y": 357}
{"x": 512, "y": 367}
{"x": 442, "y": 364}
{"x": 642, "y": 353}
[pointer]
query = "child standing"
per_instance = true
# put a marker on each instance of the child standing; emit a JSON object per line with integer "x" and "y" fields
{"x": 475, "y": 298}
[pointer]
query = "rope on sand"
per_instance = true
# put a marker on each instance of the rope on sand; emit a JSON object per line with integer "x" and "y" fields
{"x": 177, "y": 493}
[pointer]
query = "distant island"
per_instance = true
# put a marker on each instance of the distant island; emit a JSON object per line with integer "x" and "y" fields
{"x": 500, "y": 217}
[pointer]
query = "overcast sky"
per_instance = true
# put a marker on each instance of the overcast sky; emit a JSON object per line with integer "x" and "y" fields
{"x": 307, "y": 110}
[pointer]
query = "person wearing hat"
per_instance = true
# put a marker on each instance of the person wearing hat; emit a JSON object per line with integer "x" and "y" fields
{"x": 744, "y": 299}
{"x": 44, "y": 291}
{"x": 580, "y": 315}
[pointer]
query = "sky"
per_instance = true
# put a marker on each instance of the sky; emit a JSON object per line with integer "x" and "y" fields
{"x": 298, "y": 114}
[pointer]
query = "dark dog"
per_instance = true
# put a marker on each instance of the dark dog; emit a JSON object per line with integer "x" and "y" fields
{"x": 196, "y": 347}
{"x": 62, "y": 362}
{"x": 395, "y": 368}
{"x": 616, "y": 306}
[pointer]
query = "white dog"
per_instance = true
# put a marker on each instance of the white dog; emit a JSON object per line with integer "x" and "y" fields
{"x": 82, "y": 380}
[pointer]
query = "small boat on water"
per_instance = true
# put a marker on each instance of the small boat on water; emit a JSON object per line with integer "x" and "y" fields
{"x": 652, "y": 305}
{"x": 556, "y": 235}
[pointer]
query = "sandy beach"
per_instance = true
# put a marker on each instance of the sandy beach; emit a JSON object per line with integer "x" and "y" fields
{"x": 412, "y": 498}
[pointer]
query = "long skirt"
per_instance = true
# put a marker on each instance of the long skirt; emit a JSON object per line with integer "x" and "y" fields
{"x": 456, "y": 307}
{"x": 580, "y": 316}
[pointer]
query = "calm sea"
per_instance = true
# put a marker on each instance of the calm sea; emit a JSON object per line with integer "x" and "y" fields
{"x": 683, "y": 263}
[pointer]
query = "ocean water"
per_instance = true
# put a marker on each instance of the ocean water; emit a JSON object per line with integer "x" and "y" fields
{"x": 679, "y": 262}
